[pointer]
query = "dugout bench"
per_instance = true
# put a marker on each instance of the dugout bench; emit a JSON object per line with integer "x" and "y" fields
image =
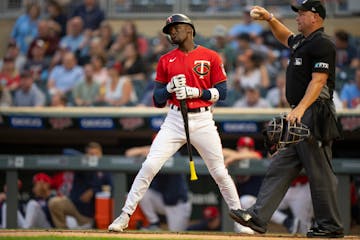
{"x": 120, "y": 166}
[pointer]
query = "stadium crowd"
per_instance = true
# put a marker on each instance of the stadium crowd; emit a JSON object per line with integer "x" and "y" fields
{"x": 58, "y": 57}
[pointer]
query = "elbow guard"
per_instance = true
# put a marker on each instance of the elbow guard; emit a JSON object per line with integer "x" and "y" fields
{"x": 214, "y": 94}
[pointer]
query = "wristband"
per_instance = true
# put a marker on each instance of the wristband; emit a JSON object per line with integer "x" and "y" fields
{"x": 214, "y": 94}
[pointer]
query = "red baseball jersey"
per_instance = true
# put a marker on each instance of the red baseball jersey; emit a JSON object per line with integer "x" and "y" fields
{"x": 202, "y": 67}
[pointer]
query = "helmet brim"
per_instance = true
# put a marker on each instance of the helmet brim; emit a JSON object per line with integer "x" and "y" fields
{"x": 166, "y": 29}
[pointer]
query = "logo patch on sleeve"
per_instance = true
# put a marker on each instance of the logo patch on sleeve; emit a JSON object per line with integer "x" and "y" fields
{"x": 321, "y": 65}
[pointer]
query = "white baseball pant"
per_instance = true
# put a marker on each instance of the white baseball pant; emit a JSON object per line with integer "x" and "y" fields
{"x": 204, "y": 137}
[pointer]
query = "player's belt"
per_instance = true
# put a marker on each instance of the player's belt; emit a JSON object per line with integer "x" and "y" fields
{"x": 191, "y": 110}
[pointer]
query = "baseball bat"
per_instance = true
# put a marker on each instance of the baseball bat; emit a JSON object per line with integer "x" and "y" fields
{"x": 184, "y": 113}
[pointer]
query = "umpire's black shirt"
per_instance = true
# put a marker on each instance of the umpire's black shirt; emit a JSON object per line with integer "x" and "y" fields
{"x": 316, "y": 53}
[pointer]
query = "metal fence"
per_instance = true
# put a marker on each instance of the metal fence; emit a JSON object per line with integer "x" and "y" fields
{"x": 141, "y": 9}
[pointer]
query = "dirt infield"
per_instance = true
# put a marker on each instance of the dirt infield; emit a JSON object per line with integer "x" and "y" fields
{"x": 150, "y": 235}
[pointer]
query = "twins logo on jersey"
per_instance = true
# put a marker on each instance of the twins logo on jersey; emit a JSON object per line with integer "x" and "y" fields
{"x": 201, "y": 67}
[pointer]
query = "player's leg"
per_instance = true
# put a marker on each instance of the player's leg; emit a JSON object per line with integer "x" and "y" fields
{"x": 206, "y": 140}
{"x": 182, "y": 212}
{"x": 168, "y": 141}
{"x": 290, "y": 222}
{"x": 60, "y": 207}
{"x": 301, "y": 206}
{"x": 35, "y": 216}
{"x": 151, "y": 204}
{"x": 20, "y": 218}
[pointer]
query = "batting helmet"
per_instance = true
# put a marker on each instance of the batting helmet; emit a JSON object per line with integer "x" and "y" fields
{"x": 177, "y": 19}
{"x": 280, "y": 133}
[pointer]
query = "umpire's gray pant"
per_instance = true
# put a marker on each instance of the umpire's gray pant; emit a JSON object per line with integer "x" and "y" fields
{"x": 286, "y": 166}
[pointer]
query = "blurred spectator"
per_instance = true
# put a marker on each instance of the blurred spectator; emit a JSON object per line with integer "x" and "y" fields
{"x": 20, "y": 211}
{"x": 9, "y": 76}
{"x": 75, "y": 39}
{"x": 148, "y": 92}
{"x": 251, "y": 71}
{"x": 218, "y": 42}
{"x": 350, "y": 94}
{"x": 211, "y": 220}
{"x": 58, "y": 99}
{"x": 37, "y": 64}
{"x": 64, "y": 77}
{"x": 100, "y": 72}
{"x": 81, "y": 202}
{"x": 252, "y": 99}
{"x": 25, "y": 28}
{"x": 276, "y": 95}
{"x": 87, "y": 91}
{"x": 51, "y": 42}
{"x": 159, "y": 46}
{"x": 167, "y": 195}
{"x": 106, "y": 35}
{"x": 90, "y": 13}
{"x": 133, "y": 64}
{"x": 55, "y": 12}
{"x": 5, "y": 97}
{"x": 94, "y": 48}
{"x": 345, "y": 51}
{"x": 247, "y": 26}
{"x": 118, "y": 89}
{"x": 243, "y": 43}
{"x": 12, "y": 51}
{"x": 128, "y": 34}
{"x": 37, "y": 214}
{"x": 28, "y": 94}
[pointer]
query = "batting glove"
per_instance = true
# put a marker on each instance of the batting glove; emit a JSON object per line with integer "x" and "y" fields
{"x": 176, "y": 81}
{"x": 187, "y": 92}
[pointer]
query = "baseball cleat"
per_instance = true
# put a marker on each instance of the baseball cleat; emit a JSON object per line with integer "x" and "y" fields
{"x": 238, "y": 228}
{"x": 120, "y": 223}
{"x": 244, "y": 218}
{"x": 316, "y": 232}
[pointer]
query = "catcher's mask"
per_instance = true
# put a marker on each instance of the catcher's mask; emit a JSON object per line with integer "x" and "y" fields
{"x": 281, "y": 133}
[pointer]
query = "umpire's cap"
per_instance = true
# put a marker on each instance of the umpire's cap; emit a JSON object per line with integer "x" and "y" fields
{"x": 177, "y": 19}
{"x": 314, "y": 6}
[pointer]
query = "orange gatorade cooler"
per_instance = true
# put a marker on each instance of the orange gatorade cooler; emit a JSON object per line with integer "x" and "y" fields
{"x": 103, "y": 210}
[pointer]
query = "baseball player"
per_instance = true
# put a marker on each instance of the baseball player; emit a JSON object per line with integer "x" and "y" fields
{"x": 310, "y": 81}
{"x": 196, "y": 74}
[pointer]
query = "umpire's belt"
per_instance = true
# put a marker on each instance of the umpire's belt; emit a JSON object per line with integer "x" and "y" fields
{"x": 190, "y": 110}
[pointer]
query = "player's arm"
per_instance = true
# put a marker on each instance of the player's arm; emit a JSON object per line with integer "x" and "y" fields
{"x": 162, "y": 92}
{"x": 280, "y": 31}
{"x": 138, "y": 151}
{"x": 161, "y": 95}
{"x": 218, "y": 92}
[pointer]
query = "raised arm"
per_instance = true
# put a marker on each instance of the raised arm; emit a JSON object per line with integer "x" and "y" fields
{"x": 280, "y": 31}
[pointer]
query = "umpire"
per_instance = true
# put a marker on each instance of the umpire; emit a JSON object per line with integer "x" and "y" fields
{"x": 310, "y": 80}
